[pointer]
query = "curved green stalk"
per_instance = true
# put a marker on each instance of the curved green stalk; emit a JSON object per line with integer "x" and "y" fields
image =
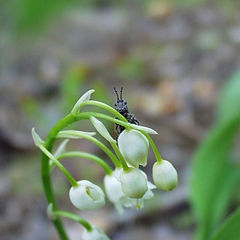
{"x": 106, "y": 107}
{"x": 46, "y": 179}
{"x": 120, "y": 156}
{"x": 90, "y": 156}
{"x": 61, "y": 167}
{"x": 99, "y": 144}
{"x": 154, "y": 147}
{"x": 128, "y": 125}
{"x": 74, "y": 217}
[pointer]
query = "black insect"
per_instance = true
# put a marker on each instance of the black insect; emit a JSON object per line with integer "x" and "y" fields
{"x": 121, "y": 107}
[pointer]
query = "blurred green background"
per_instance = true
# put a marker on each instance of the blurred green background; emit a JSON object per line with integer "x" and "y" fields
{"x": 179, "y": 64}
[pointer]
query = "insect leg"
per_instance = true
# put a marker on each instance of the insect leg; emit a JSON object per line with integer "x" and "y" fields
{"x": 131, "y": 118}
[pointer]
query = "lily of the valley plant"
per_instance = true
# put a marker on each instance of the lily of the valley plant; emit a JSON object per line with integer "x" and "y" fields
{"x": 126, "y": 186}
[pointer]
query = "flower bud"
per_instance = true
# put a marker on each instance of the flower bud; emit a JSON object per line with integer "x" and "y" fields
{"x": 165, "y": 175}
{"x": 134, "y": 147}
{"x": 87, "y": 196}
{"x": 61, "y": 148}
{"x": 102, "y": 130}
{"x": 133, "y": 182}
{"x": 85, "y": 97}
{"x": 74, "y": 134}
{"x": 143, "y": 128}
{"x": 115, "y": 194}
{"x": 36, "y": 138}
{"x": 96, "y": 234}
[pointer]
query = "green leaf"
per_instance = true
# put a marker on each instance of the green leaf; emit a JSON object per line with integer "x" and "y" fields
{"x": 214, "y": 176}
{"x": 230, "y": 230}
{"x": 230, "y": 98}
{"x": 31, "y": 15}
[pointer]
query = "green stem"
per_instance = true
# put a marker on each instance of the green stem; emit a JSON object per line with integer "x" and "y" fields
{"x": 46, "y": 179}
{"x": 106, "y": 107}
{"x": 74, "y": 217}
{"x": 61, "y": 167}
{"x": 99, "y": 144}
{"x": 120, "y": 156}
{"x": 127, "y": 125}
{"x": 90, "y": 156}
{"x": 154, "y": 147}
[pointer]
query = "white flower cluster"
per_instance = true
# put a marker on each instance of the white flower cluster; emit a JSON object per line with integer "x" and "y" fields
{"x": 126, "y": 186}
{"x": 130, "y": 187}
{"x": 116, "y": 193}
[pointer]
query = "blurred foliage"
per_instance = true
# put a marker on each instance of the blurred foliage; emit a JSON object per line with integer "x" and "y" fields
{"x": 230, "y": 99}
{"x": 131, "y": 68}
{"x": 24, "y": 176}
{"x": 183, "y": 220}
{"x": 223, "y": 4}
{"x": 101, "y": 93}
{"x": 230, "y": 229}
{"x": 70, "y": 87}
{"x": 215, "y": 176}
{"x": 32, "y": 16}
{"x": 29, "y": 16}
{"x": 31, "y": 166}
{"x": 74, "y": 84}
{"x": 32, "y": 109}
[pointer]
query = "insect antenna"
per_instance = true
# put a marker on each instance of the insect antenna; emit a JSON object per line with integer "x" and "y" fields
{"x": 121, "y": 93}
{"x": 115, "y": 90}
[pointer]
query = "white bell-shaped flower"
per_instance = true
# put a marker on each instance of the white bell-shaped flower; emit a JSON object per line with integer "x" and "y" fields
{"x": 133, "y": 182}
{"x": 115, "y": 194}
{"x": 139, "y": 203}
{"x": 96, "y": 234}
{"x": 114, "y": 191}
{"x": 148, "y": 194}
{"x": 165, "y": 175}
{"x": 87, "y": 196}
{"x": 134, "y": 147}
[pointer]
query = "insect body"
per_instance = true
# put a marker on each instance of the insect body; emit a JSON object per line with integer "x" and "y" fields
{"x": 121, "y": 107}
